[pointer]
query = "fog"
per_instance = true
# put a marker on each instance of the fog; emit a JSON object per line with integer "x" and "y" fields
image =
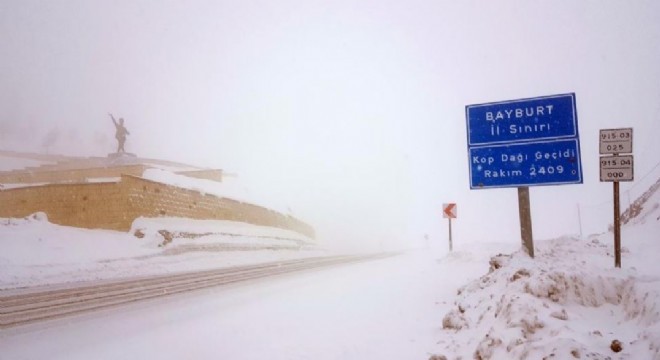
{"x": 353, "y": 113}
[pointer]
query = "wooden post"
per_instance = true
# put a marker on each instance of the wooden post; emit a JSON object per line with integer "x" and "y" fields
{"x": 525, "y": 220}
{"x": 450, "y": 243}
{"x": 617, "y": 227}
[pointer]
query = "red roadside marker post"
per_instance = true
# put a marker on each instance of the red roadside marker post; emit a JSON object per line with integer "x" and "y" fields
{"x": 449, "y": 212}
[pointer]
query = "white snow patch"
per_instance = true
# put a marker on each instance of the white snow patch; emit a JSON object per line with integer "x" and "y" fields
{"x": 20, "y": 185}
{"x": 10, "y": 163}
{"x": 112, "y": 179}
{"x": 228, "y": 189}
{"x": 568, "y": 302}
{"x": 37, "y": 252}
{"x": 184, "y": 225}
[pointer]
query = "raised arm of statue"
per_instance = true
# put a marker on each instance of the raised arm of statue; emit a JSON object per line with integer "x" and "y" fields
{"x": 113, "y": 119}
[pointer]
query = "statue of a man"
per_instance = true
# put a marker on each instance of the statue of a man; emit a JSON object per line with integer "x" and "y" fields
{"x": 120, "y": 133}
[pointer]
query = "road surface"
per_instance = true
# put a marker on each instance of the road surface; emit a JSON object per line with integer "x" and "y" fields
{"x": 23, "y": 306}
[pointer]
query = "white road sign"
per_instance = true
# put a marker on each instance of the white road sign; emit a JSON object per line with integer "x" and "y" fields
{"x": 616, "y": 141}
{"x": 616, "y": 168}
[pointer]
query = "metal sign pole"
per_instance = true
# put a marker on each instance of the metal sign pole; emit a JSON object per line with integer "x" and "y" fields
{"x": 525, "y": 220}
{"x": 617, "y": 227}
{"x": 450, "y": 242}
{"x": 579, "y": 220}
{"x": 449, "y": 212}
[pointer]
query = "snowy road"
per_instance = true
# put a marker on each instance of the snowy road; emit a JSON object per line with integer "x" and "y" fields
{"x": 375, "y": 309}
{"x": 18, "y": 307}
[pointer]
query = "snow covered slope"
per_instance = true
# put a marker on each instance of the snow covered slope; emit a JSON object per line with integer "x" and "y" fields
{"x": 37, "y": 252}
{"x": 568, "y": 302}
{"x": 18, "y": 161}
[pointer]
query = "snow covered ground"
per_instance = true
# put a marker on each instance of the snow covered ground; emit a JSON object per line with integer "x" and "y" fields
{"x": 230, "y": 188}
{"x": 568, "y": 302}
{"x": 37, "y": 252}
{"x": 387, "y": 309}
{"x": 483, "y": 301}
{"x": 8, "y": 162}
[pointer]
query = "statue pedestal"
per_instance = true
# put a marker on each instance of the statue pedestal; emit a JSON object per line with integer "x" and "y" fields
{"x": 122, "y": 158}
{"x": 120, "y": 155}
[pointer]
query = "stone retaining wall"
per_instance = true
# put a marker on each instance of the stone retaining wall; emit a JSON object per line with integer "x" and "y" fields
{"x": 114, "y": 205}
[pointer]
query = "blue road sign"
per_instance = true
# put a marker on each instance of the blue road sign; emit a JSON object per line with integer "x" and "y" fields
{"x": 548, "y": 117}
{"x": 544, "y": 163}
{"x": 524, "y": 142}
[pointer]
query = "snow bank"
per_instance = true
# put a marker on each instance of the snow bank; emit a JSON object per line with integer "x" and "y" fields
{"x": 217, "y": 227}
{"x": 555, "y": 304}
{"x": 36, "y": 252}
{"x": 36, "y": 242}
{"x": 182, "y": 235}
{"x": 9, "y": 163}
{"x": 227, "y": 189}
{"x": 20, "y": 185}
{"x": 568, "y": 302}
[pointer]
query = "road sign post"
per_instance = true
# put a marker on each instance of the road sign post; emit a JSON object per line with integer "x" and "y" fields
{"x": 525, "y": 220}
{"x": 522, "y": 143}
{"x": 617, "y": 226}
{"x": 616, "y": 168}
{"x": 449, "y": 212}
{"x": 451, "y": 245}
{"x": 616, "y": 141}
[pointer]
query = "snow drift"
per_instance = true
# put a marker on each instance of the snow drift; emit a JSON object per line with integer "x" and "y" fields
{"x": 568, "y": 302}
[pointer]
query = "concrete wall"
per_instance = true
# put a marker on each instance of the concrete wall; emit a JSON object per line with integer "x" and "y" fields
{"x": 115, "y": 205}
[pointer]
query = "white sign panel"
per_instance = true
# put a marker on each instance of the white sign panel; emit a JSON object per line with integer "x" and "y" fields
{"x": 616, "y": 141}
{"x": 616, "y": 168}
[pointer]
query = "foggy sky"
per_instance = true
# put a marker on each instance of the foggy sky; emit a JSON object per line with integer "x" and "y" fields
{"x": 353, "y": 112}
